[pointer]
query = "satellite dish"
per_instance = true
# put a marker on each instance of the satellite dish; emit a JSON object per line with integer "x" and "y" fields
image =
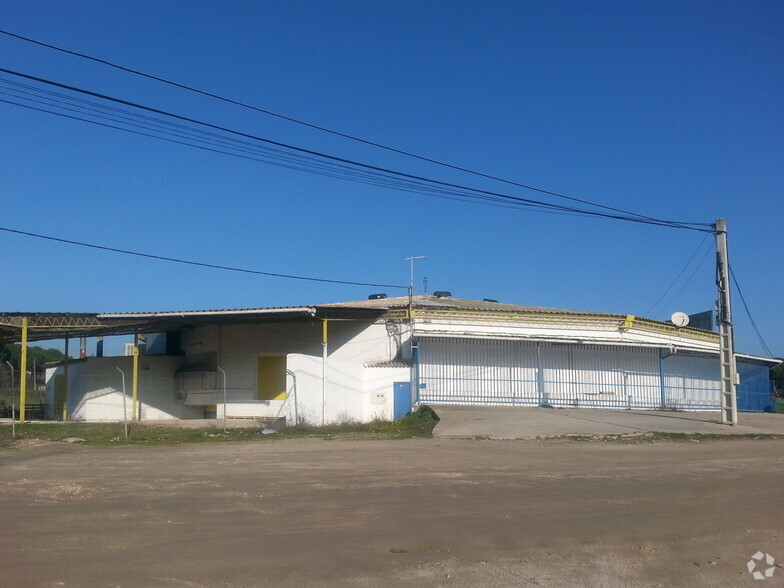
{"x": 680, "y": 319}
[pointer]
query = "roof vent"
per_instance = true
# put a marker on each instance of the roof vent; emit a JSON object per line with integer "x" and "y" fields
{"x": 442, "y": 294}
{"x": 377, "y": 296}
{"x": 489, "y": 300}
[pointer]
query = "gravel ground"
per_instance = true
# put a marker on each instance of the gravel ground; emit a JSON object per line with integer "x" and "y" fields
{"x": 384, "y": 513}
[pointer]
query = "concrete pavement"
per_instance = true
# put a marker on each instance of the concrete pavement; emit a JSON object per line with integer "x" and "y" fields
{"x": 514, "y": 422}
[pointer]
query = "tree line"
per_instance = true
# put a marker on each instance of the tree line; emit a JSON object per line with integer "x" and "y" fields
{"x": 38, "y": 355}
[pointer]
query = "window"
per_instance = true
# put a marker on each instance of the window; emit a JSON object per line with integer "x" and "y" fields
{"x": 272, "y": 377}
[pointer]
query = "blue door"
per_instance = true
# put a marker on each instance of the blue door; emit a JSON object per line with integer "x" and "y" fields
{"x": 402, "y": 399}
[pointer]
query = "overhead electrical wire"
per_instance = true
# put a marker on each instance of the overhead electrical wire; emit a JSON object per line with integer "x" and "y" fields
{"x": 364, "y": 167}
{"x": 324, "y": 129}
{"x": 315, "y": 168}
{"x": 352, "y": 167}
{"x": 196, "y": 263}
{"x": 297, "y": 158}
{"x": 247, "y": 149}
{"x": 655, "y": 305}
{"x": 697, "y": 268}
{"x": 268, "y": 159}
{"x": 748, "y": 313}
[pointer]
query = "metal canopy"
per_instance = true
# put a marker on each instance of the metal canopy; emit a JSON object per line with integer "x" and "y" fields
{"x": 44, "y": 326}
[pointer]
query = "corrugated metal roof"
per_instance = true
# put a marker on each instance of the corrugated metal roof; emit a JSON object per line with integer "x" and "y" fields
{"x": 421, "y": 301}
{"x": 199, "y": 312}
{"x": 212, "y": 313}
{"x": 55, "y": 325}
{"x": 426, "y": 301}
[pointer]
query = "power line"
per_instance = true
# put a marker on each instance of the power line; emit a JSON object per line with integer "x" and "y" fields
{"x": 748, "y": 313}
{"x": 466, "y": 191}
{"x": 197, "y": 263}
{"x": 691, "y": 277}
{"x": 174, "y": 132}
{"x": 320, "y": 169}
{"x": 325, "y": 129}
{"x": 655, "y": 305}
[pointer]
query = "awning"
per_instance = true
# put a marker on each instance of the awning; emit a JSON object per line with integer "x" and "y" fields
{"x": 43, "y": 326}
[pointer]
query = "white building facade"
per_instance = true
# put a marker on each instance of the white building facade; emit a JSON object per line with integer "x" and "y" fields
{"x": 378, "y": 359}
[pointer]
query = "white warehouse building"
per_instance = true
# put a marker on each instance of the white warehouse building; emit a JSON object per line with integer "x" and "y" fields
{"x": 382, "y": 357}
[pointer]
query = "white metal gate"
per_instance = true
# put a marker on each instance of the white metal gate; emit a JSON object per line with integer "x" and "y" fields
{"x": 479, "y": 371}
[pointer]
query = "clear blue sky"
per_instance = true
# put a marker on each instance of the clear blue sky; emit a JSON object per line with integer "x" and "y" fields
{"x": 670, "y": 109}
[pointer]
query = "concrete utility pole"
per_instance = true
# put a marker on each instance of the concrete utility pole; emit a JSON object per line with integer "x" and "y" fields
{"x": 729, "y": 374}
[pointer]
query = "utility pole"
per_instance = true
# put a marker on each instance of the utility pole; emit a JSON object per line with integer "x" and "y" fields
{"x": 729, "y": 374}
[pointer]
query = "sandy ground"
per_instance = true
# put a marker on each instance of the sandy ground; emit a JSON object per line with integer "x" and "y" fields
{"x": 380, "y": 513}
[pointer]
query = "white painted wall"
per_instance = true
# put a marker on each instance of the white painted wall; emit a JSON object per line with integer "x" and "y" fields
{"x": 95, "y": 389}
{"x": 236, "y": 349}
{"x": 380, "y": 381}
{"x": 566, "y": 333}
{"x": 626, "y": 364}
{"x": 95, "y": 385}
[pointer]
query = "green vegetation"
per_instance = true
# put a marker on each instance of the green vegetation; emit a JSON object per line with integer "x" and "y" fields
{"x": 38, "y": 355}
{"x": 777, "y": 375}
{"x": 419, "y": 424}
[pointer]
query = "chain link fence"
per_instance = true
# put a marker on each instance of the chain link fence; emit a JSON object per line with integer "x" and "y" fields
{"x": 35, "y": 397}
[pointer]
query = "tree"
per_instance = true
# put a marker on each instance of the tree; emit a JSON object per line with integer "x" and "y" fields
{"x": 777, "y": 375}
{"x": 5, "y": 353}
{"x": 35, "y": 354}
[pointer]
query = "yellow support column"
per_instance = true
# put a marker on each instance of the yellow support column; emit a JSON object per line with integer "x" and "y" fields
{"x": 65, "y": 373}
{"x": 135, "y": 376}
{"x": 23, "y": 372}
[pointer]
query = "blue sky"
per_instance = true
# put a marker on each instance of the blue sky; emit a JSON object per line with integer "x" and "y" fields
{"x": 669, "y": 109}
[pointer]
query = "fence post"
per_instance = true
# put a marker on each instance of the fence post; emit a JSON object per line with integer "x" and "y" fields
{"x": 224, "y": 398}
{"x": 13, "y": 402}
{"x": 125, "y": 411}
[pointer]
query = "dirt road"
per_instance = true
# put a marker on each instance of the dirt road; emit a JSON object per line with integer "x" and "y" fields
{"x": 380, "y": 513}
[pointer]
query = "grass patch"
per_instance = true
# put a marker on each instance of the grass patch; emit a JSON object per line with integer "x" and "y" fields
{"x": 417, "y": 425}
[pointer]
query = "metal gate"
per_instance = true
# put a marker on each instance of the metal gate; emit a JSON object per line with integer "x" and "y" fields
{"x": 508, "y": 372}
{"x": 755, "y": 389}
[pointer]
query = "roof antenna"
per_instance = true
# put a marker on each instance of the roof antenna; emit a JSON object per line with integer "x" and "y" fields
{"x": 412, "y": 259}
{"x": 424, "y": 281}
